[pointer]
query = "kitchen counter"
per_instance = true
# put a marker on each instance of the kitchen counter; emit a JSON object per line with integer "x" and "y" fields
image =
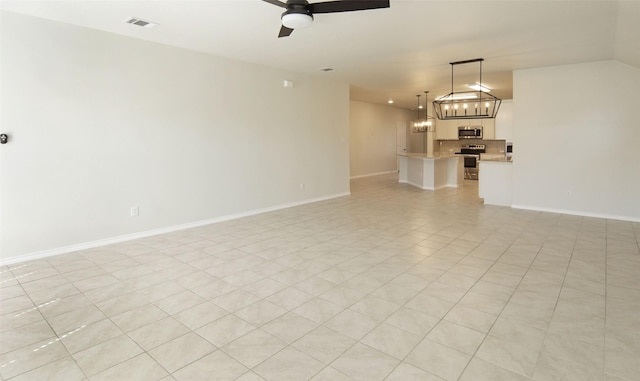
{"x": 493, "y": 155}
{"x": 429, "y": 155}
{"x": 430, "y": 171}
{"x": 495, "y": 158}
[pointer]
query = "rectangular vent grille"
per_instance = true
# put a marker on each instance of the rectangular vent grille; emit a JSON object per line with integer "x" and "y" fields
{"x": 140, "y": 22}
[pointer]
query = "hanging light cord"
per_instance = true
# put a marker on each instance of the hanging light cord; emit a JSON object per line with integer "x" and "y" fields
{"x": 480, "y": 87}
{"x": 452, "y": 80}
{"x": 426, "y": 105}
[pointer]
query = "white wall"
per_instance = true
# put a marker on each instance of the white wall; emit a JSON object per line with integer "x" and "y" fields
{"x": 373, "y": 137}
{"x": 576, "y": 130}
{"x": 504, "y": 121}
{"x": 101, "y": 122}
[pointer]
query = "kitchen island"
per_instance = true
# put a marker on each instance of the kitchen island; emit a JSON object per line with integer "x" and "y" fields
{"x": 430, "y": 171}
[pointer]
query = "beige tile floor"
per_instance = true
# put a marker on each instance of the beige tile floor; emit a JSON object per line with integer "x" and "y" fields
{"x": 390, "y": 283}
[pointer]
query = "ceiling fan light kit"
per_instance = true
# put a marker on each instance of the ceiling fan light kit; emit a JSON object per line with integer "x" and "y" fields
{"x": 299, "y": 13}
{"x": 467, "y": 105}
{"x": 297, "y": 20}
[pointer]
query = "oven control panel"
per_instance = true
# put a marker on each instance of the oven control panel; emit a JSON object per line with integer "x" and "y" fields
{"x": 473, "y": 149}
{"x": 474, "y": 146}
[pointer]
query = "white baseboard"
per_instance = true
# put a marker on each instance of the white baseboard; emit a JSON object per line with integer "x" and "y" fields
{"x": 373, "y": 174}
{"x": 578, "y": 213}
{"x": 168, "y": 229}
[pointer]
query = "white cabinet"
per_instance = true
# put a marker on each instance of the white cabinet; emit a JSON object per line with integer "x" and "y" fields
{"x": 488, "y": 128}
{"x": 447, "y": 129}
{"x": 504, "y": 121}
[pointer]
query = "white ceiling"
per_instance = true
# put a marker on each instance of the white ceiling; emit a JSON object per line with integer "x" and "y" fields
{"x": 387, "y": 53}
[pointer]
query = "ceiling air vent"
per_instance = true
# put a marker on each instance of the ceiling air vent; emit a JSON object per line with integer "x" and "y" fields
{"x": 140, "y": 22}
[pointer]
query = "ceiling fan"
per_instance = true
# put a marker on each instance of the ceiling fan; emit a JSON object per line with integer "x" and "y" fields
{"x": 299, "y": 13}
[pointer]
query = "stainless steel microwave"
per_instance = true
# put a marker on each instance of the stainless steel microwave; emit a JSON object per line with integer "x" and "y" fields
{"x": 470, "y": 132}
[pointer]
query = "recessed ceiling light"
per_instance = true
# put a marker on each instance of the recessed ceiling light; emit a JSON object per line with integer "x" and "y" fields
{"x": 139, "y": 22}
{"x": 326, "y": 69}
{"x": 390, "y": 101}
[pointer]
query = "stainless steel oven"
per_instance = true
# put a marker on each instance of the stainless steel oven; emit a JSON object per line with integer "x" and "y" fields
{"x": 471, "y": 159}
{"x": 471, "y": 167}
{"x": 470, "y": 132}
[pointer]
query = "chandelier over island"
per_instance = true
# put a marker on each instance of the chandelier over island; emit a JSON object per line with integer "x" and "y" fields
{"x": 423, "y": 124}
{"x": 467, "y": 105}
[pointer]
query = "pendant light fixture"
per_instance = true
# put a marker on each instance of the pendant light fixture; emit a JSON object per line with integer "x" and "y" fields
{"x": 423, "y": 124}
{"x": 416, "y": 123}
{"x": 428, "y": 120}
{"x": 467, "y": 105}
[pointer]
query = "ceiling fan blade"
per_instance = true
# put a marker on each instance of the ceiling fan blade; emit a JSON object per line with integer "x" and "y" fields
{"x": 347, "y": 6}
{"x": 285, "y": 32}
{"x": 276, "y": 3}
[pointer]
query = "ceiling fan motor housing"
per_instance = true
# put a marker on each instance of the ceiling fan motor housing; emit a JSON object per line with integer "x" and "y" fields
{"x": 299, "y": 13}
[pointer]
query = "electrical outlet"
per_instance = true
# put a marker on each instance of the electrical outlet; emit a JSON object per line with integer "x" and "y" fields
{"x": 568, "y": 193}
{"x": 135, "y": 211}
{"x": 301, "y": 186}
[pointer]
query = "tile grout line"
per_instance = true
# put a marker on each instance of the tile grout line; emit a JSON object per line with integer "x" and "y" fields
{"x": 503, "y": 307}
